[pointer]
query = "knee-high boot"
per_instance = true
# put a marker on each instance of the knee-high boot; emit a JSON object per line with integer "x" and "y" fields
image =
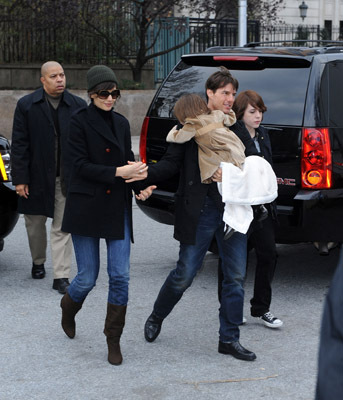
{"x": 69, "y": 310}
{"x": 114, "y": 325}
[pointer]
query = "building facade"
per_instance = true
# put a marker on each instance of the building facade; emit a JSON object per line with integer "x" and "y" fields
{"x": 324, "y": 13}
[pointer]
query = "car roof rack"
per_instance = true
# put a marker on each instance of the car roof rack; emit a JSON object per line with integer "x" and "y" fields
{"x": 296, "y": 41}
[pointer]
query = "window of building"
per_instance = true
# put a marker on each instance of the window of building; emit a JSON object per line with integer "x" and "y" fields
{"x": 340, "y": 30}
{"x": 327, "y": 31}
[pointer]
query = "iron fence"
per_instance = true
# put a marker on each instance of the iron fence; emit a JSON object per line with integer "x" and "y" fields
{"x": 303, "y": 33}
{"x": 22, "y": 44}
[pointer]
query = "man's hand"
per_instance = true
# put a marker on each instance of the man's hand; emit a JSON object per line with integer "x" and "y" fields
{"x": 146, "y": 193}
{"x": 22, "y": 190}
{"x": 217, "y": 176}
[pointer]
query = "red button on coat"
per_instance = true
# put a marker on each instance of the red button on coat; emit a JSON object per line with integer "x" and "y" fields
{"x": 108, "y": 191}
{"x": 108, "y": 150}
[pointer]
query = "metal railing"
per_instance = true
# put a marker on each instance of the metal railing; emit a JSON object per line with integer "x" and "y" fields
{"x": 20, "y": 43}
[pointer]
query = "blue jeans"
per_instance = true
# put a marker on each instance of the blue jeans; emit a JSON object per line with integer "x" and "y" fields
{"x": 233, "y": 253}
{"x": 88, "y": 264}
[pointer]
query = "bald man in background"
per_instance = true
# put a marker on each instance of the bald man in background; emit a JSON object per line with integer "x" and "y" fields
{"x": 40, "y": 169}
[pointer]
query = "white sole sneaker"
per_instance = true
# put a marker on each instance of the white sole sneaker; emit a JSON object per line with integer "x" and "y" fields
{"x": 270, "y": 321}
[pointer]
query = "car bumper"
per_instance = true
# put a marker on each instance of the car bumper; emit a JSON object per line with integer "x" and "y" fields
{"x": 315, "y": 216}
{"x": 8, "y": 209}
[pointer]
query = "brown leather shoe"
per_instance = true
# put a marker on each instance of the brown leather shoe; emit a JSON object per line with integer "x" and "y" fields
{"x": 69, "y": 310}
{"x": 114, "y": 325}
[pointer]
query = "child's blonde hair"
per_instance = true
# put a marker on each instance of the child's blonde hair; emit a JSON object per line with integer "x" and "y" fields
{"x": 190, "y": 106}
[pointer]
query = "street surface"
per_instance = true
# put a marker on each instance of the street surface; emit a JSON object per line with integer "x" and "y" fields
{"x": 38, "y": 361}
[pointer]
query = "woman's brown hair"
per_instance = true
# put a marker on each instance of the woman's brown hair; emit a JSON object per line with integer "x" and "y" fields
{"x": 190, "y": 106}
{"x": 244, "y": 99}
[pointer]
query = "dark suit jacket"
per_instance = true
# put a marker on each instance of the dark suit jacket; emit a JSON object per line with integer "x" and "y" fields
{"x": 191, "y": 193}
{"x": 96, "y": 199}
{"x": 33, "y": 149}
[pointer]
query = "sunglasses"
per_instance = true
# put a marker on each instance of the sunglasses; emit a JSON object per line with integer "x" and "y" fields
{"x": 103, "y": 94}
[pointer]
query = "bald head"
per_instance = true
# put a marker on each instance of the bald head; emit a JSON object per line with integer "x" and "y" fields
{"x": 49, "y": 64}
{"x": 53, "y": 78}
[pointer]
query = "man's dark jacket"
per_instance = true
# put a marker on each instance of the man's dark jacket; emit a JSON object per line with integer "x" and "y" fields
{"x": 191, "y": 193}
{"x": 33, "y": 149}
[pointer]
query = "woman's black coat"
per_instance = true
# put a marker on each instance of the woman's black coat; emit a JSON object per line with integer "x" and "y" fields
{"x": 96, "y": 199}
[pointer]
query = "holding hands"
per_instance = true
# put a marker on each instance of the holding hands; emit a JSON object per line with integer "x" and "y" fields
{"x": 134, "y": 171}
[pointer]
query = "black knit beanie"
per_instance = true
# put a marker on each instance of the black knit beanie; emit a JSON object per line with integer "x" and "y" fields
{"x": 99, "y": 74}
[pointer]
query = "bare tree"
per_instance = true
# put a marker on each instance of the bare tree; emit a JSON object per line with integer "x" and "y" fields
{"x": 265, "y": 11}
{"x": 136, "y": 27}
{"x": 127, "y": 30}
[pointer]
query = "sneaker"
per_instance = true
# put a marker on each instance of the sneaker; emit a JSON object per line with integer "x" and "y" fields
{"x": 271, "y": 321}
{"x": 228, "y": 232}
{"x": 260, "y": 212}
{"x": 244, "y": 321}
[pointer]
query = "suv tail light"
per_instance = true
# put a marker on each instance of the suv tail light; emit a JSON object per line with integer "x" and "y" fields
{"x": 235, "y": 58}
{"x": 5, "y": 166}
{"x": 142, "y": 141}
{"x": 316, "y": 158}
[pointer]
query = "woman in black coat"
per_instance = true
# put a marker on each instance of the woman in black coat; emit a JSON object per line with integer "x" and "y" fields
{"x": 249, "y": 108}
{"x": 99, "y": 203}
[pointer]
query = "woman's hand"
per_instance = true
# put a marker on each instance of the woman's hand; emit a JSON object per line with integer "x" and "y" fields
{"x": 146, "y": 193}
{"x": 217, "y": 176}
{"x": 134, "y": 171}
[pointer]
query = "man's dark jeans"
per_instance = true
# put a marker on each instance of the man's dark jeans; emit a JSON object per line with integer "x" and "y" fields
{"x": 233, "y": 253}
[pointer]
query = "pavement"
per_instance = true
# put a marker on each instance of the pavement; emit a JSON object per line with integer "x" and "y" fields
{"x": 135, "y": 145}
{"x": 39, "y": 362}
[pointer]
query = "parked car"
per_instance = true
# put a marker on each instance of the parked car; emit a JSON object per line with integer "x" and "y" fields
{"x": 8, "y": 198}
{"x": 302, "y": 88}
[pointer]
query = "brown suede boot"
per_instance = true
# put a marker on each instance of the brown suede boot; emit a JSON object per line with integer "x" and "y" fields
{"x": 69, "y": 310}
{"x": 114, "y": 324}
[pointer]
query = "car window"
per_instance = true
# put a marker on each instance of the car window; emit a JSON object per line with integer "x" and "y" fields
{"x": 331, "y": 89}
{"x": 283, "y": 90}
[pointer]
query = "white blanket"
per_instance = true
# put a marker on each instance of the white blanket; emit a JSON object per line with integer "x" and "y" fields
{"x": 240, "y": 188}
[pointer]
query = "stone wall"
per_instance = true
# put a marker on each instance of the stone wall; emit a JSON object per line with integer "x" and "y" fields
{"x": 26, "y": 76}
{"x": 133, "y": 104}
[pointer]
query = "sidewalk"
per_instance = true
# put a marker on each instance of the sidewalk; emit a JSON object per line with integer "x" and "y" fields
{"x": 135, "y": 146}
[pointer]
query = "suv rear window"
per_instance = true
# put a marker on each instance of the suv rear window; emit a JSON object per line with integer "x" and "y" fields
{"x": 283, "y": 90}
{"x": 331, "y": 89}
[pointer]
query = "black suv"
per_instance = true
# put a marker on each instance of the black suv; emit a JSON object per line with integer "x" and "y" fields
{"x": 8, "y": 197}
{"x": 302, "y": 88}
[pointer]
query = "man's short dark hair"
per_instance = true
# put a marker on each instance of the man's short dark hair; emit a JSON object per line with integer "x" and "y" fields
{"x": 220, "y": 79}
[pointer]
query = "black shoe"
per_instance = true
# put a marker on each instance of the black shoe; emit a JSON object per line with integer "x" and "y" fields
{"x": 260, "y": 212}
{"x": 38, "y": 271}
{"x": 152, "y": 327}
{"x": 61, "y": 285}
{"x": 236, "y": 350}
